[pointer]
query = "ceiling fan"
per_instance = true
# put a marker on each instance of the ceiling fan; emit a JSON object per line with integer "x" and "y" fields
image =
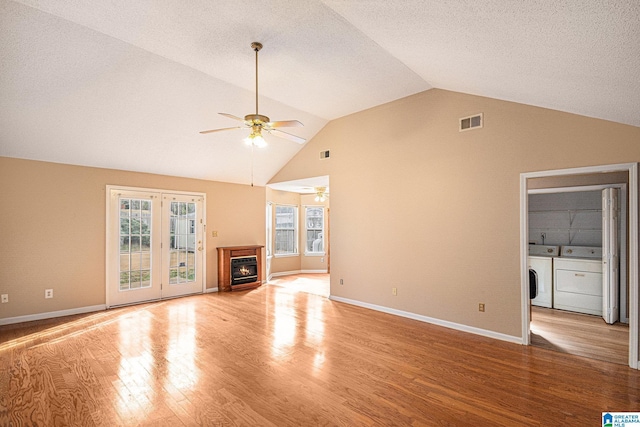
{"x": 258, "y": 123}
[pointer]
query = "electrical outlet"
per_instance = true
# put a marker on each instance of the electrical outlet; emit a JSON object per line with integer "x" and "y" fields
{"x": 394, "y": 291}
{"x": 341, "y": 282}
{"x": 48, "y": 293}
{"x": 322, "y": 259}
{"x": 481, "y": 307}
{"x": 5, "y": 298}
{"x": 214, "y": 234}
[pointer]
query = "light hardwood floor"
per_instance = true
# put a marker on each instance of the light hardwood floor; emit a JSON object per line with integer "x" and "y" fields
{"x": 274, "y": 357}
{"x": 316, "y": 283}
{"x": 557, "y": 330}
{"x": 580, "y": 334}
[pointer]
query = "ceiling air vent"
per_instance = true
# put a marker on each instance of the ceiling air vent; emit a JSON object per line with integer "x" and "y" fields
{"x": 471, "y": 122}
{"x": 324, "y": 154}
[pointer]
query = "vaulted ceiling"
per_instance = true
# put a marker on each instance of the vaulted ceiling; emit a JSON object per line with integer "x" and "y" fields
{"x": 129, "y": 84}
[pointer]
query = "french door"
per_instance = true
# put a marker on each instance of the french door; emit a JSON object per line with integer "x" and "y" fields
{"x": 182, "y": 246}
{"x": 154, "y": 245}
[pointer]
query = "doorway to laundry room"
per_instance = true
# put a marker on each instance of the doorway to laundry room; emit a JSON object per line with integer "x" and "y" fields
{"x": 577, "y": 255}
{"x": 577, "y": 241}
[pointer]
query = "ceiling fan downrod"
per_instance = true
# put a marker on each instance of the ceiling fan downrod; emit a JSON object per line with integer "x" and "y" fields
{"x": 256, "y": 46}
{"x": 256, "y": 119}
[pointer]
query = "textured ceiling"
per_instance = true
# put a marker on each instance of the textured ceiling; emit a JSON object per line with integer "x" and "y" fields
{"x": 128, "y": 84}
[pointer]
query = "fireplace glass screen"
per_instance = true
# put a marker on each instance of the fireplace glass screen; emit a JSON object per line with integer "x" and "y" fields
{"x": 244, "y": 270}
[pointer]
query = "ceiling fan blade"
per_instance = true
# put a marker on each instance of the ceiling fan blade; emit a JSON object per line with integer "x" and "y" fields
{"x": 285, "y": 135}
{"x": 219, "y": 130}
{"x": 285, "y": 124}
{"x": 231, "y": 116}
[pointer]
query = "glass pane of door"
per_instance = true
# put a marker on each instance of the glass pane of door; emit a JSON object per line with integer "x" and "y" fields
{"x": 135, "y": 243}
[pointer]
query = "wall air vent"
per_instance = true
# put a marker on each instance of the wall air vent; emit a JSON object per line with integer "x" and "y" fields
{"x": 471, "y": 122}
{"x": 324, "y": 154}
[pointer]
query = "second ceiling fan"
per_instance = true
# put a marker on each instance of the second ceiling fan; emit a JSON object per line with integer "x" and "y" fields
{"x": 258, "y": 123}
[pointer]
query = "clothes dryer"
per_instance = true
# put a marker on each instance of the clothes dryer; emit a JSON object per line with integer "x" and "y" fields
{"x": 577, "y": 280}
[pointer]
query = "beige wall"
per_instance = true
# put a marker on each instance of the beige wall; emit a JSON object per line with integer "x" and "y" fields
{"x": 417, "y": 205}
{"x": 52, "y": 223}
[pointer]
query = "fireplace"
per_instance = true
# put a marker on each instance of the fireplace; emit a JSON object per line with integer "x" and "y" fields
{"x": 244, "y": 270}
{"x": 239, "y": 267}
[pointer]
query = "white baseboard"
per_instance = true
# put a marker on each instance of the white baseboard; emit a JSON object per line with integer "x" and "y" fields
{"x": 210, "y": 290}
{"x": 289, "y": 273}
{"x": 52, "y": 314}
{"x": 286, "y": 273}
{"x": 432, "y": 320}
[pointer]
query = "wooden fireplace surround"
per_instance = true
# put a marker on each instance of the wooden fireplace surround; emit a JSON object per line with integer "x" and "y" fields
{"x": 225, "y": 254}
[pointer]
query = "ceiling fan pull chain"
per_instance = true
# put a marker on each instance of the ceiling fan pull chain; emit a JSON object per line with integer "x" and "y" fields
{"x": 252, "y": 146}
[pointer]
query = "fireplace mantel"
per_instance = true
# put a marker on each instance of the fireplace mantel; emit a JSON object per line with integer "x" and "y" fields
{"x": 225, "y": 253}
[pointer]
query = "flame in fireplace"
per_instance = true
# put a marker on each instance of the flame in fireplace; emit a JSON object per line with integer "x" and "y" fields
{"x": 244, "y": 271}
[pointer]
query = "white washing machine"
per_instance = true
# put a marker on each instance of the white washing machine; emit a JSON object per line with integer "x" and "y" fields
{"x": 541, "y": 261}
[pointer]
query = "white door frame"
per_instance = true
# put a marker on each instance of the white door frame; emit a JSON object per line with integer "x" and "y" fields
{"x": 108, "y": 238}
{"x": 268, "y": 248}
{"x": 632, "y": 169}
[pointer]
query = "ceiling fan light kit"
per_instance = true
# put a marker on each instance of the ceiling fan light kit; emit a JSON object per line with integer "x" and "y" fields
{"x": 321, "y": 194}
{"x": 255, "y": 139}
{"x": 258, "y": 122}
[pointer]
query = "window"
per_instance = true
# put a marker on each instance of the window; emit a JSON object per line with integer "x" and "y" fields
{"x": 286, "y": 230}
{"x": 314, "y": 223}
